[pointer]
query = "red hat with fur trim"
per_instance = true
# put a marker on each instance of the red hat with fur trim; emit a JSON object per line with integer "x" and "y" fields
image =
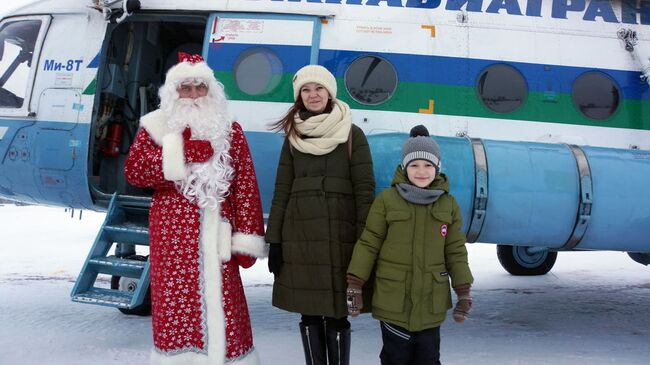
{"x": 189, "y": 67}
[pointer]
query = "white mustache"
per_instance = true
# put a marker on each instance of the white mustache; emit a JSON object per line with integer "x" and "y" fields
{"x": 189, "y": 102}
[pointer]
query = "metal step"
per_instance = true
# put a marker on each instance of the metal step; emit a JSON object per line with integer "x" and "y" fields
{"x": 106, "y": 297}
{"x": 126, "y": 232}
{"x": 126, "y": 226}
{"x": 113, "y": 265}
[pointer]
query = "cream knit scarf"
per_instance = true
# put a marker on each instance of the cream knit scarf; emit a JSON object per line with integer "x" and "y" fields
{"x": 322, "y": 133}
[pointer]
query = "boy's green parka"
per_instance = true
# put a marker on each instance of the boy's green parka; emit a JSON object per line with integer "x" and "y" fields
{"x": 415, "y": 250}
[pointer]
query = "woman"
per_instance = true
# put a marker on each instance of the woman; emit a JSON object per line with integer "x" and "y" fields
{"x": 323, "y": 191}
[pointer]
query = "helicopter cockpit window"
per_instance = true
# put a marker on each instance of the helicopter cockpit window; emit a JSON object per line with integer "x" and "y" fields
{"x": 258, "y": 71}
{"x": 17, "y": 43}
{"x": 371, "y": 80}
{"x": 502, "y": 88}
{"x": 595, "y": 95}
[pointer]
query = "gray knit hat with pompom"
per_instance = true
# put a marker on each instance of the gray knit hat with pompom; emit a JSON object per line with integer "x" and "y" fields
{"x": 420, "y": 146}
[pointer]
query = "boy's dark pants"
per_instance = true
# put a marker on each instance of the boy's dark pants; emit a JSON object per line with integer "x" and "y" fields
{"x": 402, "y": 347}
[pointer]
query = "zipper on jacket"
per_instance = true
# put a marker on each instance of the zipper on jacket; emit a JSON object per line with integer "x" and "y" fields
{"x": 311, "y": 354}
{"x": 338, "y": 344}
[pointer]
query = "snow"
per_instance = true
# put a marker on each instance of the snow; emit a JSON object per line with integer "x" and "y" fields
{"x": 591, "y": 309}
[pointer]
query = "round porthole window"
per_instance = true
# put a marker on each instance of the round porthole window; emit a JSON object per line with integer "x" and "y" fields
{"x": 371, "y": 80}
{"x": 596, "y": 95}
{"x": 502, "y": 88}
{"x": 258, "y": 71}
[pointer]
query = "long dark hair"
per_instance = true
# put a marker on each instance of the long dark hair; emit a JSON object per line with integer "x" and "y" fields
{"x": 288, "y": 124}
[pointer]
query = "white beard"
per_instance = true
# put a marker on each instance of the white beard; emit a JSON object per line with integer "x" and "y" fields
{"x": 208, "y": 183}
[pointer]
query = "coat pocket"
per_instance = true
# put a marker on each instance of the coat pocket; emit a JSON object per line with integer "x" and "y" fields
{"x": 397, "y": 216}
{"x": 390, "y": 289}
{"x": 441, "y": 292}
{"x": 399, "y": 235}
{"x": 444, "y": 217}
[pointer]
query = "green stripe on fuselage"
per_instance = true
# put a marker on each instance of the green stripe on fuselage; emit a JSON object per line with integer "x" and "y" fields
{"x": 92, "y": 88}
{"x": 410, "y": 97}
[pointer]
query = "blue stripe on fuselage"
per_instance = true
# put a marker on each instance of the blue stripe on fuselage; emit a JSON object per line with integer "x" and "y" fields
{"x": 440, "y": 70}
{"x": 457, "y": 71}
{"x": 223, "y": 56}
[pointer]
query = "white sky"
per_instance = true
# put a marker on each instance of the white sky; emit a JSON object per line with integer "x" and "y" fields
{"x": 6, "y": 6}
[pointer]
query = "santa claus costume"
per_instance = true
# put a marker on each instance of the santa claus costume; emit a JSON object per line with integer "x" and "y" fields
{"x": 205, "y": 221}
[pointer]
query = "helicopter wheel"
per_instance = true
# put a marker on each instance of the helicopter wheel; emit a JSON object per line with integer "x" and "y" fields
{"x": 517, "y": 261}
{"x": 130, "y": 285}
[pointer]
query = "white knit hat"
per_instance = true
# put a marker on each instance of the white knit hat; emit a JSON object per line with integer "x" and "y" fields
{"x": 317, "y": 74}
{"x": 189, "y": 67}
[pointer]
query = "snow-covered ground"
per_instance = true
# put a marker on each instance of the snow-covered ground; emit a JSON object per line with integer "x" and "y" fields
{"x": 592, "y": 309}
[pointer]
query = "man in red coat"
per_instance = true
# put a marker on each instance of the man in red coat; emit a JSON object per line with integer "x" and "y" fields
{"x": 205, "y": 220}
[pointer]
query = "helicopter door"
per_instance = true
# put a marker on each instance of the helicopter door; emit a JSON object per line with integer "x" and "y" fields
{"x": 255, "y": 57}
{"x": 62, "y": 111}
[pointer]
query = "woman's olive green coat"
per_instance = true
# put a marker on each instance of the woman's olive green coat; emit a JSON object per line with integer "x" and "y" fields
{"x": 318, "y": 212}
{"x": 416, "y": 250}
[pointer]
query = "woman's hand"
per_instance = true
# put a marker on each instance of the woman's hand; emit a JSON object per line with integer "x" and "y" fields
{"x": 275, "y": 258}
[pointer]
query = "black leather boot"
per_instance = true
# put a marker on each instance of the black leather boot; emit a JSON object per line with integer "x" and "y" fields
{"x": 313, "y": 343}
{"x": 338, "y": 346}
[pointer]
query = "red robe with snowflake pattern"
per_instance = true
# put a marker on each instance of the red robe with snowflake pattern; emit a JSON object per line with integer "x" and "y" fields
{"x": 199, "y": 311}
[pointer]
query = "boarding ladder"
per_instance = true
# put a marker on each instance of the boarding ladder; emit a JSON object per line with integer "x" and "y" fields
{"x": 126, "y": 225}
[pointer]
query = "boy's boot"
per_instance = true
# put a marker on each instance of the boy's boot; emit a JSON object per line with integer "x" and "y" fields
{"x": 338, "y": 346}
{"x": 313, "y": 343}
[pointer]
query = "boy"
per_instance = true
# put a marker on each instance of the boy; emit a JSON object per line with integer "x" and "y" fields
{"x": 414, "y": 241}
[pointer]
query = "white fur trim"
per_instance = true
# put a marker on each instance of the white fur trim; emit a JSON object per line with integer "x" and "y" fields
{"x": 218, "y": 234}
{"x": 185, "y": 358}
{"x": 215, "y": 233}
{"x": 193, "y": 358}
{"x": 173, "y": 157}
{"x": 187, "y": 70}
{"x": 249, "y": 244}
{"x": 209, "y": 228}
{"x": 216, "y": 345}
{"x": 156, "y": 125}
{"x": 224, "y": 241}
